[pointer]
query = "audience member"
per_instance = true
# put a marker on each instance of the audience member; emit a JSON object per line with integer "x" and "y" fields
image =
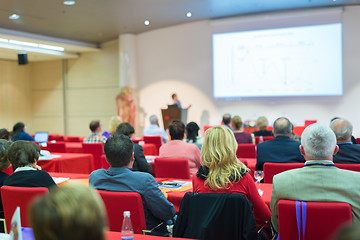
{"x": 226, "y": 120}
{"x": 176, "y": 148}
{"x": 120, "y": 177}
{"x": 23, "y": 156}
{"x": 140, "y": 162}
{"x": 71, "y": 212}
{"x": 240, "y": 135}
{"x": 4, "y": 164}
{"x": 155, "y": 130}
{"x": 349, "y": 232}
{"x": 19, "y": 133}
{"x": 281, "y": 149}
{"x": 293, "y": 135}
{"x": 192, "y": 134}
{"x": 95, "y": 136}
{"x": 262, "y": 124}
{"x": 222, "y": 172}
{"x": 348, "y": 152}
{"x": 4, "y": 134}
{"x": 353, "y": 139}
{"x": 113, "y": 124}
{"x": 319, "y": 179}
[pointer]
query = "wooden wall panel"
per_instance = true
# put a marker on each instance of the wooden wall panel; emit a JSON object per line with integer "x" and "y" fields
{"x": 53, "y": 125}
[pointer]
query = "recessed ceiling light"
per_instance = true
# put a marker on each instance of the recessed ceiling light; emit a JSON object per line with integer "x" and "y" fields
{"x": 24, "y": 43}
{"x": 147, "y": 22}
{"x": 189, "y": 14}
{"x": 14, "y": 16}
{"x": 69, "y": 3}
{"x": 3, "y": 40}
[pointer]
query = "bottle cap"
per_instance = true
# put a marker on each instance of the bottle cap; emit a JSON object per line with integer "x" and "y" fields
{"x": 126, "y": 213}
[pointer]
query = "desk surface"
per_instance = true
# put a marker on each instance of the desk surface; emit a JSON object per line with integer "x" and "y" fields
{"x": 69, "y": 163}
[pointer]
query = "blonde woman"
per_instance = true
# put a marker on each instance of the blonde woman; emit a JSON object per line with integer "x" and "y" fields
{"x": 240, "y": 135}
{"x": 262, "y": 124}
{"x": 222, "y": 172}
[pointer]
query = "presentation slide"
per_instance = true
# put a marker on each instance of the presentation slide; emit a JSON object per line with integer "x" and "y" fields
{"x": 297, "y": 61}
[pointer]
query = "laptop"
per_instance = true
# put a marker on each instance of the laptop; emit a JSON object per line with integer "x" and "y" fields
{"x": 41, "y": 137}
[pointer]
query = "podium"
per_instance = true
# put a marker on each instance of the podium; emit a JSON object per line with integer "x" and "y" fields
{"x": 171, "y": 114}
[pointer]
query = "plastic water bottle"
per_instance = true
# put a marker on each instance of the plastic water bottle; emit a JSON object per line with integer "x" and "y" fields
{"x": 127, "y": 232}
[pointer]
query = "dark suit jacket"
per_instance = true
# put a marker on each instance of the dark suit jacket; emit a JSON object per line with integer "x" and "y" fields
{"x": 140, "y": 163}
{"x": 279, "y": 150}
{"x": 348, "y": 153}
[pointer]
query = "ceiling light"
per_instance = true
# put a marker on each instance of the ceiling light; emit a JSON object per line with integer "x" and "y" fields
{"x": 147, "y": 22}
{"x": 3, "y": 40}
{"x": 189, "y": 14}
{"x": 14, "y": 16}
{"x": 30, "y": 44}
{"x": 56, "y": 48}
{"x": 69, "y": 3}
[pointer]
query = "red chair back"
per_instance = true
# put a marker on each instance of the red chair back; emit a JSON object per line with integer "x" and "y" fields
{"x": 72, "y": 139}
{"x": 118, "y": 202}
{"x": 172, "y": 168}
{"x": 104, "y": 163}
{"x": 56, "y": 137}
{"x": 156, "y": 140}
{"x": 265, "y": 138}
{"x": 246, "y": 150}
{"x": 58, "y": 147}
{"x": 149, "y": 149}
{"x": 206, "y": 127}
{"x": 347, "y": 166}
{"x": 357, "y": 140}
{"x": 323, "y": 219}
{"x": 19, "y": 196}
{"x": 309, "y": 122}
{"x": 271, "y": 169}
{"x": 298, "y": 130}
{"x": 97, "y": 150}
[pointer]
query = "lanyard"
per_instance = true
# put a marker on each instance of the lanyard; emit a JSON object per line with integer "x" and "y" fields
{"x": 321, "y": 164}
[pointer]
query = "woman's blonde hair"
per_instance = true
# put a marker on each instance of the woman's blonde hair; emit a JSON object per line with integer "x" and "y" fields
{"x": 218, "y": 154}
{"x": 73, "y": 211}
{"x": 262, "y": 123}
{"x": 113, "y": 124}
{"x": 236, "y": 122}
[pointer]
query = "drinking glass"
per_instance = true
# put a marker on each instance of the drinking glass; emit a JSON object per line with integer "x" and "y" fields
{"x": 259, "y": 175}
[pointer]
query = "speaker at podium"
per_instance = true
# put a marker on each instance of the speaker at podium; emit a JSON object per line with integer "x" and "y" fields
{"x": 173, "y": 113}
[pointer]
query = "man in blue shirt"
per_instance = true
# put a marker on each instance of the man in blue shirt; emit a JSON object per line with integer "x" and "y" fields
{"x": 120, "y": 177}
{"x": 155, "y": 130}
{"x": 348, "y": 152}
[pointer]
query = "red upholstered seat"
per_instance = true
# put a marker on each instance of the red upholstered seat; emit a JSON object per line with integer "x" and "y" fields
{"x": 271, "y": 169}
{"x": 118, "y": 202}
{"x": 149, "y": 149}
{"x": 58, "y": 147}
{"x": 56, "y": 137}
{"x": 265, "y": 138}
{"x": 347, "y": 166}
{"x": 156, "y": 140}
{"x": 309, "y": 122}
{"x": 172, "y": 168}
{"x": 298, "y": 130}
{"x": 19, "y": 196}
{"x": 323, "y": 219}
{"x": 206, "y": 127}
{"x": 72, "y": 139}
{"x": 97, "y": 150}
{"x": 246, "y": 150}
{"x": 104, "y": 163}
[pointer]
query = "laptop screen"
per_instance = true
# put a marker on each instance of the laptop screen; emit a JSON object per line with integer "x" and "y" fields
{"x": 41, "y": 137}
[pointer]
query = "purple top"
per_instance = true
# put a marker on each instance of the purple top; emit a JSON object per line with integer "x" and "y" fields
{"x": 243, "y": 137}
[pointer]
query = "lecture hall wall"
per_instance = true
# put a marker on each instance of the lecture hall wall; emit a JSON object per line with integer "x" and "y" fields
{"x": 62, "y": 97}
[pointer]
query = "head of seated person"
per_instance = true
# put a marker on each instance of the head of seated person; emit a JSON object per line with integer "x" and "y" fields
{"x": 119, "y": 151}
{"x": 236, "y": 123}
{"x": 282, "y": 127}
{"x": 18, "y": 128}
{"x": 4, "y": 161}
{"x": 23, "y": 153}
{"x": 218, "y": 155}
{"x": 4, "y": 134}
{"x": 113, "y": 124}
{"x": 262, "y": 123}
{"x": 318, "y": 142}
{"x": 177, "y": 130}
{"x": 71, "y": 212}
{"x": 342, "y": 129}
{"x": 126, "y": 129}
{"x": 192, "y": 131}
{"x": 226, "y": 118}
{"x": 95, "y": 126}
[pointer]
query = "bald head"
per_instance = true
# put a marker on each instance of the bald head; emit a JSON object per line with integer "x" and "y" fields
{"x": 282, "y": 127}
{"x": 342, "y": 129}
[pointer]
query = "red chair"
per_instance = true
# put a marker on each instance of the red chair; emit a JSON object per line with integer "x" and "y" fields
{"x": 97, "y": 150}
{"x": 353, "y": 167}
{"x": 357, "y": 140}
{"x": 206, "y": 127}
{"x": 265, "y": 138}
{"x": 172, "y": 168}
{"x": 323, "y": 219}
{"x": 149, "y": 149}
{"x": 246, "y": 150}
{"x": 136, "y": 140}
{"x": 298, "y": 130}
{"x": 19, "y": 196}
{"x": 118, "y": 202}
{"x": 271, "y": 169}
{"x": 104, "y": 163}
{"x": 156, "y": 140}
{"x": 72, "y": 139}
{"x": 56, "y": 137}
{"x": 309, "y": 122}
{"x": 58, "y": 147}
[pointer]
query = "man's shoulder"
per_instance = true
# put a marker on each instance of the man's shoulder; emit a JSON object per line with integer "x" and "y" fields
{"x": 354, "y": 147}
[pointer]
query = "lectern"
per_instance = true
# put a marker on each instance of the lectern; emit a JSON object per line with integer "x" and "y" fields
{"x": 171, "y": 114}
